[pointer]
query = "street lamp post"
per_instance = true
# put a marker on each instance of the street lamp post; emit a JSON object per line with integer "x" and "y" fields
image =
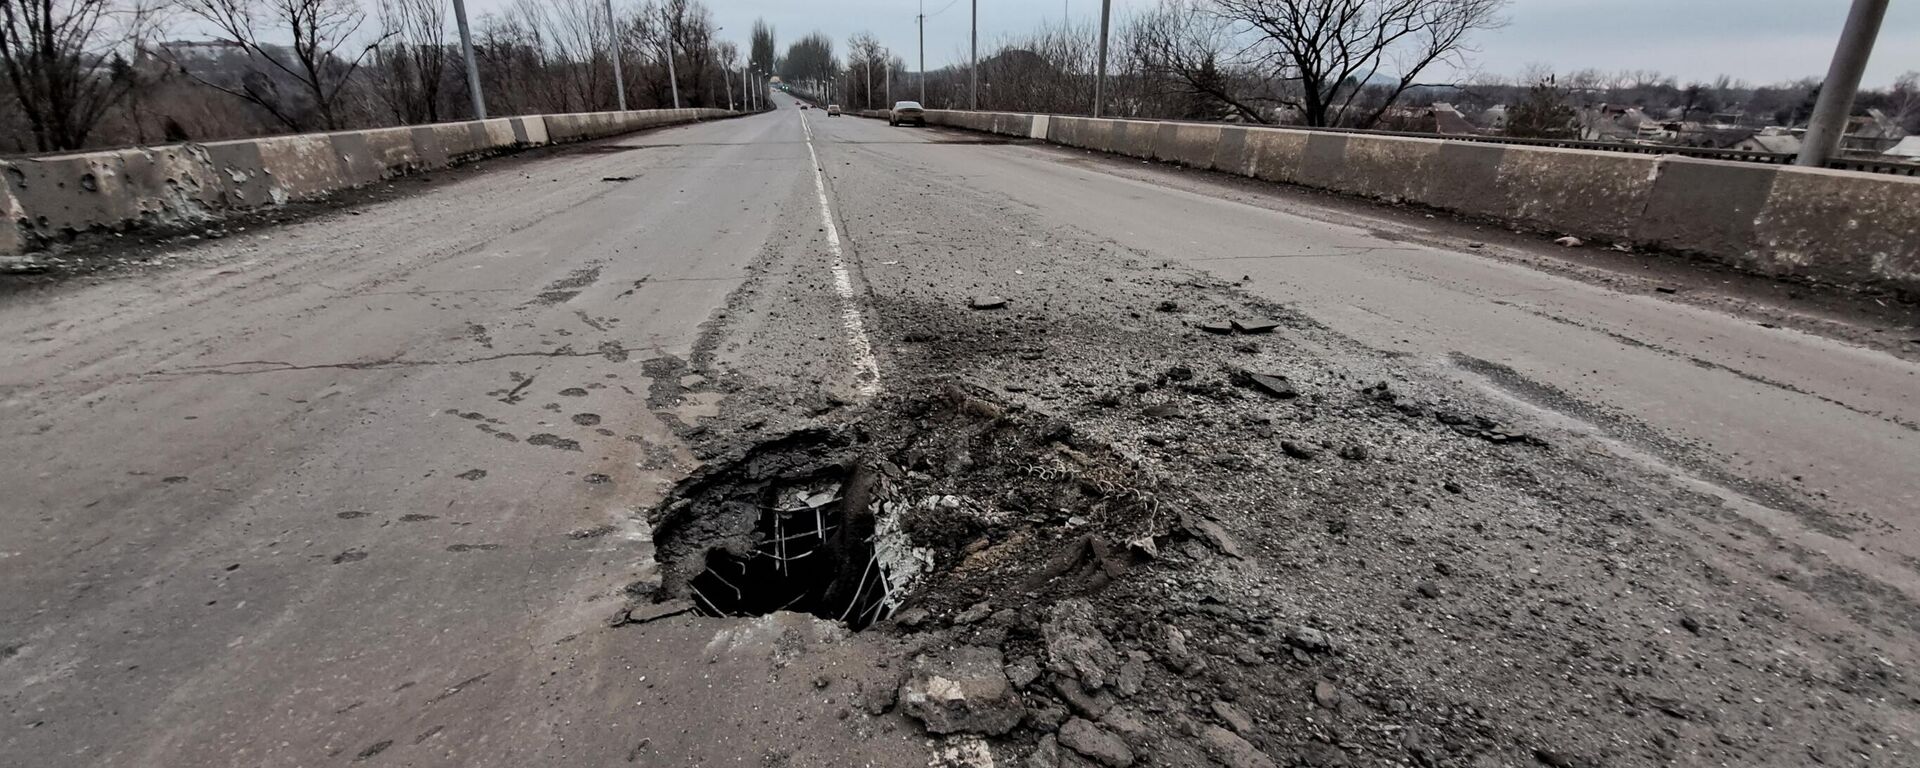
{"x": 1100, "y": 77}
{"x": 473, "y": 67}
{"x": 923, "y": 52}
{"x": 1829, "y": 122}
{"x": 673, "y": 79}
{"x": 974, "y": 68}
{"x": 619, "y": 82}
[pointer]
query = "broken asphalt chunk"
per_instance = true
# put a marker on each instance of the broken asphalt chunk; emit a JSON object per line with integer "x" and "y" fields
{"x": 1275, "y": 386}
{"x": 987, "y": 302}
{"x": 1254, "y": 325}
{"x": 1217, "y": 327}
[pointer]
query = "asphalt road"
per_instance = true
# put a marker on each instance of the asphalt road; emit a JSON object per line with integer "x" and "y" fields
{"x": 364, "y": 486}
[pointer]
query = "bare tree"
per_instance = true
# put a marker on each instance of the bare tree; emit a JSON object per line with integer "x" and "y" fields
{"x": 1187, "y": 54}
{"x": 1905, "y": 100}
{"x": 1047, "y": 70}
{"x": 1332, "y": 49}
{"x": 760, "y": 47}
{"x": 413, "y": 63}
{"x": 866, "y": 66}
{"x": 1543, "y": 113}
{"x": 319, "y": 29}
{"x": 61, "y": 65}
{"x": 581, "y": 39}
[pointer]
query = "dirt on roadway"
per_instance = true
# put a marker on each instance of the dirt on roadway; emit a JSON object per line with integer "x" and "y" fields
{"x": 1094, "y": 506}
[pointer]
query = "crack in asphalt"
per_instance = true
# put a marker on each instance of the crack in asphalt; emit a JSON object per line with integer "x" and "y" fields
{"x": 1342, "y": 251}
{"x": 280, "y": 366}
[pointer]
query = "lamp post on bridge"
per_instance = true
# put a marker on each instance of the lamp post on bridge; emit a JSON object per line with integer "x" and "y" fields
{"x": 974, "y": 67}
{"x": 1100, "y": 77}
{"x": 473, "y": 68}
{"x": 619, "y": 82}
{"x": 1829, "y": 122}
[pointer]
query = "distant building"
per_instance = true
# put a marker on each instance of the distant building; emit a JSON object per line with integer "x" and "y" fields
{"x": 1871, "y": 134}
{"x": 1441, "y": 118}
{"x": 1448, "y": 120}
{"x": 1494, "y": 119}
{"x": 1775, "y": 140}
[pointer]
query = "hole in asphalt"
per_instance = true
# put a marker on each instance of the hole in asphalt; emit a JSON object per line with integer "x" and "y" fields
{"x": 808, "y": 556}
{"x": 916, "y": 501}
{"x": 786, "y": 526}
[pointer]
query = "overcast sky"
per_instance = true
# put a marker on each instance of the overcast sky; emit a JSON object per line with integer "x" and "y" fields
{"x": 1755, "y": 40}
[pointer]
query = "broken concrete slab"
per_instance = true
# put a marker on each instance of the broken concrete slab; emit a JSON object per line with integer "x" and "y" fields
{"x": 986, "y": 302}
{"x": 964, "y": 690}
{"x": 1235, "y": 717}
{"x": 1217, "y": 327}
{"x": 1099, "y": 744}
{"x": 1232, "y": 751}
{"x": 1254, "y": 325}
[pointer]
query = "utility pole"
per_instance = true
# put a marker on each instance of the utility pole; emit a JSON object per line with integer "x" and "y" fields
{"x": 727, "y": 77}
{"x": 1100, "y": 77}
{"x": 889, "y": 100}
{"x": 1830, "y": 112}
{"x": 923, "y": 52}
{"x": 672, "y": 78}
{"x": 473, "y": 67}
{"x": 619, "y": 82}
{"x": 867, "y": 98}
{"x": 975, "y": 66}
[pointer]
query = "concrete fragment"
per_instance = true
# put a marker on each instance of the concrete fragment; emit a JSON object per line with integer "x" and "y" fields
{"x": 1075, "y": 646}
{"x": 964, "y": 690}
{"x": 1095, "y": 742}
{"x": 1326, "y": 695}
{"x": 1254, "y": 325}
{"x": 1232, "y": 751}
{"x": 1233, "y": 716}
{"x": 1216, "y": 536}
{"x": 987, "y": 302}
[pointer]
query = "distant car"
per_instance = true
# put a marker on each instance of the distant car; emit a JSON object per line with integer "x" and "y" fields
{"x": 833, "y": 110}
{"x": 906, "y": 112}
{"x": 803, "y": 105}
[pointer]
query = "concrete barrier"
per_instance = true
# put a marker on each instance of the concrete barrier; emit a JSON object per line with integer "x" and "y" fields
{"x": 62, "y": 195}
{"x": 54, "y": 198}
{"x": 1840, "y": 227}
{"x": 12, "y": 219}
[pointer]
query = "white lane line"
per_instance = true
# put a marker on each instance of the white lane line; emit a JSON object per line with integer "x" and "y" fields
{"x": 866, "y": 370}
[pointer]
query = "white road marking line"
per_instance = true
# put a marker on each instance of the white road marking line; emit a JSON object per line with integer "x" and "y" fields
{"x": 866, "y": 369}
